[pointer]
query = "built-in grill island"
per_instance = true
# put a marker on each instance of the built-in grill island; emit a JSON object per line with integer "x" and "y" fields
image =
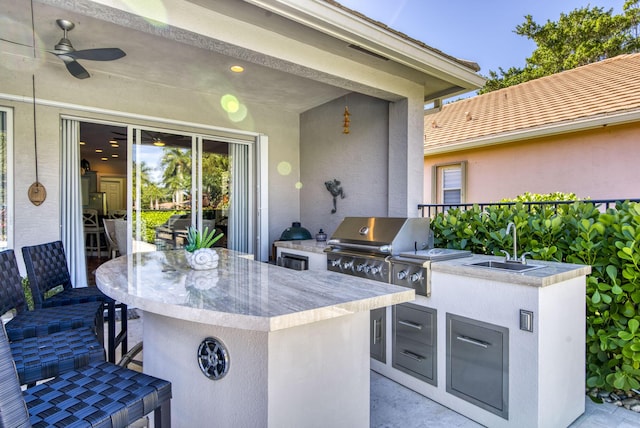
{"x": 490, "y": 344}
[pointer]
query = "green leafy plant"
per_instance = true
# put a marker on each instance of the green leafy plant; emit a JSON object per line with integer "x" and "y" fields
{"x": 204, "y": 239}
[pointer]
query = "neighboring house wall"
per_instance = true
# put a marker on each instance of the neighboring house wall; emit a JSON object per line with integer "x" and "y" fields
{"x": 601, "y": 163}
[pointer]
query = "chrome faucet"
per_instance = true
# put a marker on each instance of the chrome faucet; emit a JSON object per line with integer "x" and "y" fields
{"x": 514, "y": 258}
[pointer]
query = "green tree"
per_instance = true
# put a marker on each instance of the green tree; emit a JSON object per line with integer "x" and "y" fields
{"x": 215, "y": 177}
{"x": 580, "y": 37}
{"x": 176, "y": 163}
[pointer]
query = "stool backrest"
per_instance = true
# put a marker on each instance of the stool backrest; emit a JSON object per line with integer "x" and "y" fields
{"x": 46, "y": 268}
{"x": 11, "y": 291}
{"x": 13, "y": 409}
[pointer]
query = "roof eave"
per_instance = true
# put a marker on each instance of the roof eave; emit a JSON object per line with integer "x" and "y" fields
{"x": 538, "y": 132}
{"x": 352, "y": 27}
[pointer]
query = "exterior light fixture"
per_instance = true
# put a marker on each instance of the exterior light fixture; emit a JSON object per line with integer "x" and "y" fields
{"x": 347, "y": 121}
{"x": 236, "y": 68}
{"x": 158, "y": 142}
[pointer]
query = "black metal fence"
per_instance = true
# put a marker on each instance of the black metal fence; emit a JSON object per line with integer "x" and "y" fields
{"x": 431, "y": 210}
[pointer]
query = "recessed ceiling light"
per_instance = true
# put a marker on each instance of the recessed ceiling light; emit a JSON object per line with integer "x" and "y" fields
{"x": 113, "y": 142}
{"x": 98, "y": 150}
{"x": 115, "y": 155}
{"x": 237, "y": 68}
{"x": 104, "y": 159}
{"x": 82, "y": 143}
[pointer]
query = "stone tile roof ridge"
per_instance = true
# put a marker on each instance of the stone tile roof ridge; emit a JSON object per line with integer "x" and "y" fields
{"x": 469, "y": 64}
{"x": 604, "y": 87}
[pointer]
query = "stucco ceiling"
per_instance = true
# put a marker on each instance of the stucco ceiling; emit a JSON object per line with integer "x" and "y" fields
{"x": 154, "y": 56}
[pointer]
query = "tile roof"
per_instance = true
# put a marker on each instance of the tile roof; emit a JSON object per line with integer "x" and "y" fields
{"x": 597, "y": 90}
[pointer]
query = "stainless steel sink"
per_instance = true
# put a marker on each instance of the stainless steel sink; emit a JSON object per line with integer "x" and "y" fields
{"x": 506, "y": 266}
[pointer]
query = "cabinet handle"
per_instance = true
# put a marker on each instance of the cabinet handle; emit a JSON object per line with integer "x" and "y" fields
{"x": 412, "y": 355}
{"x": 376, "y": 331}
{"x": 410, "y": 324}
{"x": 473, "y": 341}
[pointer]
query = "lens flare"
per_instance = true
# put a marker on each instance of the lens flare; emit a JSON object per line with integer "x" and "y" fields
{"x": 153, "y": 11}
{"x": 284, "y": 168}
{"x": 298, "y": 185}
{"x": 239, "y": 115}
{"x": 230, "y": 103}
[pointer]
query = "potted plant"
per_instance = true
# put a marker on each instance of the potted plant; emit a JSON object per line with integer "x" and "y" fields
{"x": 198, "y": 251}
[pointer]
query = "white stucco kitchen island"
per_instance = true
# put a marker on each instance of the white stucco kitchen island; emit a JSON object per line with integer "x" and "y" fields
{"x": 251, "y": 344}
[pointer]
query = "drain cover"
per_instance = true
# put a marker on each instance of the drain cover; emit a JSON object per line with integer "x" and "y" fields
{"x": 213, "y": 358}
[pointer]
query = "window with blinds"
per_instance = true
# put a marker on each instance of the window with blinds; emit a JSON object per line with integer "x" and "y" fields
{"x": 448, "y": 183}
{"x": 452, "y": 185}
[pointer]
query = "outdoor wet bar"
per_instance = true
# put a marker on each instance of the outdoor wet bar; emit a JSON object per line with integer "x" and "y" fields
{"x": 252, "y": 344}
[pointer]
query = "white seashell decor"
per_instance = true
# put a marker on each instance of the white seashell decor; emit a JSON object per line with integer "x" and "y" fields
{"x": 202, "y": 259}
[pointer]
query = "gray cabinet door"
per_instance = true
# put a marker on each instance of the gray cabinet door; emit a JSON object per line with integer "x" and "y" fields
{"x": 478, "y": 363}
{"x": 378, "y": 320}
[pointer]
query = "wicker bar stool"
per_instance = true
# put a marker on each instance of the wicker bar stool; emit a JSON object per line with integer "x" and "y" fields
{"x": 100, "y": 395}
{"x": 40, "y": 322}
{"x": 47, "y": 269}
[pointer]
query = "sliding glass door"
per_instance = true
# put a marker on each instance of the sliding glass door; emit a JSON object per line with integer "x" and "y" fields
{"x": 181, "y": 180}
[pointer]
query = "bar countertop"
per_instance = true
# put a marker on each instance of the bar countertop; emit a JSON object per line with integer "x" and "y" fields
{"x": 240, "y": 292}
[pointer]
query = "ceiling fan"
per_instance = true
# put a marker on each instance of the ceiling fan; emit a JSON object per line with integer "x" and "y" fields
{"x": 66, "y": 52}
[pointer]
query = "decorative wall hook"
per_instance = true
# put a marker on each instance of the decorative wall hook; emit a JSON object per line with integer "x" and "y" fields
{"x": 333, "y": 186}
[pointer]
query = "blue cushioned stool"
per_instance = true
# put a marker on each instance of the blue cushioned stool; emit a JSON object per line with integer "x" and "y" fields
{"x": 100, "y": 395}
{"x": 40, "y": 322}
{"x": 39, "y": 358}
{"x": 47, "y": 269}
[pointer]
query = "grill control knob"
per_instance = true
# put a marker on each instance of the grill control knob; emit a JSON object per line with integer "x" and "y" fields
{"x": 335, "y": 263}
{"x": 361, "y": 267}
{"x": 416, "y": 277}
{"x": 347, "y": 265}
{"x": 402, "y": 274}
{"x": 375, "y": 270}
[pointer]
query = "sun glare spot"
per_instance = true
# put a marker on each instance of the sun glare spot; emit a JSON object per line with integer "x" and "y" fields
{"x": 284, "y": 168}
{"x": 298, "y": 185}
{"x": 153, "y": 11}
{"x": 239, "y": 115}
{"x": 230, "y": 103}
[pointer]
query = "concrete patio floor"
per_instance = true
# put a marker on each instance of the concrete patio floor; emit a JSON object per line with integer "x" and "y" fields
{"x": 393, "y": 405}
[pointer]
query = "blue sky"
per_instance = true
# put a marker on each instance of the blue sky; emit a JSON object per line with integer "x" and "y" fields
{"x": 480, "y": 31}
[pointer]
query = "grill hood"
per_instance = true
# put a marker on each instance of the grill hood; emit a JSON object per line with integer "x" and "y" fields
{"x": 385, "y": 235}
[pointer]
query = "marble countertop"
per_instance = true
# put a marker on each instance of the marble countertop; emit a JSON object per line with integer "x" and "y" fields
{"x": 550, "y": 272}
{"x": 240, "y": 293}
{"x": 310, "y": 245}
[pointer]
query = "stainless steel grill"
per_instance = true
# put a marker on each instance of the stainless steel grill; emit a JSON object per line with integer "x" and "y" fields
{"x": 388, "y": 249}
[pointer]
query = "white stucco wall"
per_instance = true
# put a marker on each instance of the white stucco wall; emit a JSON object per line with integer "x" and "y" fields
{"x": 359, "y": 160}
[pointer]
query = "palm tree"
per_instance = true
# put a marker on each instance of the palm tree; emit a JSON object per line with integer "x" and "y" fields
{"x": 176, "y": 163}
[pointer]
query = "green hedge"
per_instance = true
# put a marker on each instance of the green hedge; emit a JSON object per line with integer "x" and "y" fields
{"x": 574, "y": 233}
{"x": 152, "y": 219}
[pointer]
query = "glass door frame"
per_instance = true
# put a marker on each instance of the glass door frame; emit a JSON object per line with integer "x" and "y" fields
{"x": 257, "y": 183}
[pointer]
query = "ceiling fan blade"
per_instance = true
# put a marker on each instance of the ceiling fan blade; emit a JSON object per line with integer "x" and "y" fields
{"x": 76, "y": 69}
{"x": 99, "y": 54}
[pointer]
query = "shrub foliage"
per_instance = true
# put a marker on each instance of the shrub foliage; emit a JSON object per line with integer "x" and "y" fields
{"x": 580, "y": 233}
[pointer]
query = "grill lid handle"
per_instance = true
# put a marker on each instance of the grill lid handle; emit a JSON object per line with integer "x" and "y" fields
{"x": 386, "y": 249}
